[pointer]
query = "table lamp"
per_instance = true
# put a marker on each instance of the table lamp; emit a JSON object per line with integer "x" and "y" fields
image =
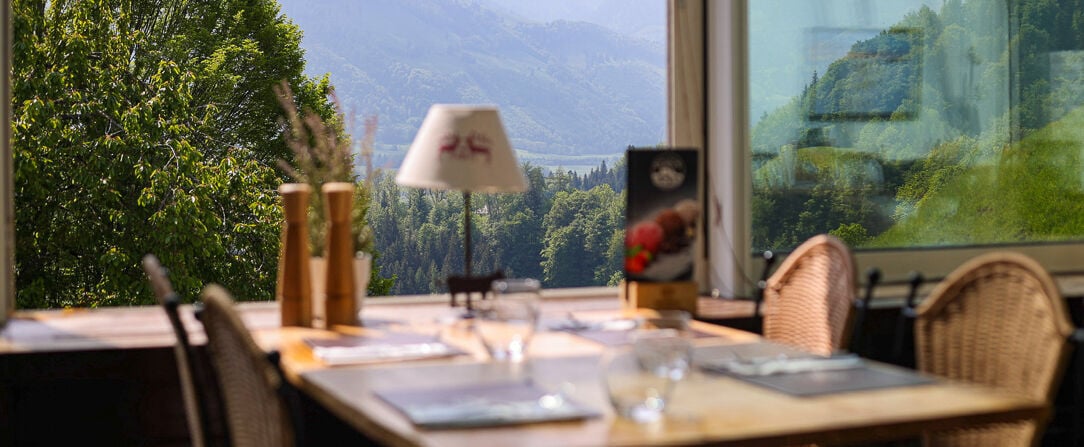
{"x": 462, "y": 148}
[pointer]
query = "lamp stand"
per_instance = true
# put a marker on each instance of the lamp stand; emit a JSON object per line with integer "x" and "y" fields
{"x": 466, "y": 234}
{"x": 469, "y": 284}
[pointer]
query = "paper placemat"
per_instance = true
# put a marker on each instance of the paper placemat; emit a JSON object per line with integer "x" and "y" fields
{"x": 821, "y": 382}
{"x": 621, "y": 337}
{"x": 350, "y": 350}
{"x": 480, "y": 405}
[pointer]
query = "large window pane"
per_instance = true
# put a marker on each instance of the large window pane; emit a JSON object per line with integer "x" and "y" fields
{"x": 576, "y": 82}
{"x": 151, "y": 127}
{"x": 916, "y": 124}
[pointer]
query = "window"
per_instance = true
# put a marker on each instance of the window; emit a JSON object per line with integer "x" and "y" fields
{"x": 618, "y": 71}
{"x": 921, "y": 133}
{"x": 575, "y": 85}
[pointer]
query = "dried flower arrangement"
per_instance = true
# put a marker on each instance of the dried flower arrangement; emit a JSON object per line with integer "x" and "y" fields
{"x": 323, "y": 154}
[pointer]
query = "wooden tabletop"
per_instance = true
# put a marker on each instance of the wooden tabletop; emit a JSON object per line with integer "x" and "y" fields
{"x": 707, "y": 409}
{"x": 74, "y": 330}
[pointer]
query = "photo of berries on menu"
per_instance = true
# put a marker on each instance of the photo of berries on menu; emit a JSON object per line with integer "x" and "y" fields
{"x": 661, "y": 214}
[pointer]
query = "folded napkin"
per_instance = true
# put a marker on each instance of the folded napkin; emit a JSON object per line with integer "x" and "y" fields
{"x": 766, "y": 366}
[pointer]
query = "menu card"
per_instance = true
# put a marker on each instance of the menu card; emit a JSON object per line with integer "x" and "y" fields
{"x": 488, "y": 404}
{"x": 661, "y": 214}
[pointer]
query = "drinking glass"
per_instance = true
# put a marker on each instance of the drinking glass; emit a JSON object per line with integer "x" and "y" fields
{"x": 506, "y": 322}
{"x": 640, "y": 377}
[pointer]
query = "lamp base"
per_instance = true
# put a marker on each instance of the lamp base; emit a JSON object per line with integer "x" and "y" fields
{"x": 471, "y": 285}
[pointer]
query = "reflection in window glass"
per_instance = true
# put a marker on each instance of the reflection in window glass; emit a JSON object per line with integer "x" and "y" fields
{"x": 916, "y": 124}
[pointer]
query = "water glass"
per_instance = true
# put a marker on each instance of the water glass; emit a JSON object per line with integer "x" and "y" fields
{"x": 506, "y": 322}
{"x": 640, "y": 377}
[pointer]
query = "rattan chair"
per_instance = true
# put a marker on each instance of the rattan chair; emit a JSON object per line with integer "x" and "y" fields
{"x": 188, "y": 368}
{"x": 254, "y": 391}
{"x": 997, "y": 320}
{"x": 808, "y": 300}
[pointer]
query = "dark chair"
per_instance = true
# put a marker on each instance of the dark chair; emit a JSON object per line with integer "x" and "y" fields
{"x": 758, "y": 300}
{"x": 471, "y": 285}
{"x": 859, "y": 343}
{"x": 262, "y": 409}
{"x": 903, "y": 346}
{"x": 998, "y": 320}
{"x": 196, "y": 405}
{"x": 1077, "y": 410}
{"x": 808, "y": 301}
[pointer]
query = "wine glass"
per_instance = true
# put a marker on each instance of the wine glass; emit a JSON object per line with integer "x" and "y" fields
{"x": 506, "y": 323}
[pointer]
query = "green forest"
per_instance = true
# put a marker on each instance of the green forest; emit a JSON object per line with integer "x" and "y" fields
{"x": 152, "y": 127}
{"x": 566, "y": 230}
{"x": 953, "y": 127}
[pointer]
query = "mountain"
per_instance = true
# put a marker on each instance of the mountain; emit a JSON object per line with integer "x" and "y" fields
{"x": 644, "y": 19}
{"x": 563, "y": 87}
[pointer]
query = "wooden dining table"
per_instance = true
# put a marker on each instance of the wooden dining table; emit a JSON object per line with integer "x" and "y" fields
{"x": 706, "y": 409}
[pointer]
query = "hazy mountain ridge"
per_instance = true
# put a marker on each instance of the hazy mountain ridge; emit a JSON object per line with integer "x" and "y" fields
{"x": 563, "y": 87}
{"x": 640, "y": 18}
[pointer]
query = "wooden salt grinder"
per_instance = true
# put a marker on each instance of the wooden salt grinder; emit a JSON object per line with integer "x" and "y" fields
{"x": 341, "y": 308}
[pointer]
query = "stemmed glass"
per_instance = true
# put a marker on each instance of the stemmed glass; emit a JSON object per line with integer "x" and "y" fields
{"x": 506, "y": 323}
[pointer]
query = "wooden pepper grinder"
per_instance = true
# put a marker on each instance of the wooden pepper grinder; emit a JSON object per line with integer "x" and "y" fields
{"x": 294, "y": 286}
{"x": 340, "y": 306}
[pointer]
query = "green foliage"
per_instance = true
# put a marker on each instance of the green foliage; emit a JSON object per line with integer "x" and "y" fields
{"x": 145, "y": 127}
{"x": 580, "y": 227}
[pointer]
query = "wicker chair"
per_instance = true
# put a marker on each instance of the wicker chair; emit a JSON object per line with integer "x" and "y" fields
{"x": 255, "y": 394}
{"x": 808, "y": 300}
{"x": 188, "y": 367}
{"x": 1000, "y": 321}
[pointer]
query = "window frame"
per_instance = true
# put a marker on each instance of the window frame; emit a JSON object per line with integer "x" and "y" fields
{"x": 7, "y": 201}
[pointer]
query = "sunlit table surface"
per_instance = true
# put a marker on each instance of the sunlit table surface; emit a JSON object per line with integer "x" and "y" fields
{"x": 707, "y": 409}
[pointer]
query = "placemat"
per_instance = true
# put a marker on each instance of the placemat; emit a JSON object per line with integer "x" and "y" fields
{"x": 816, "y": 383}
{"x": 392, "y": 346}
{"x": 617, "y": 338}
{"x": 481, "y": 405}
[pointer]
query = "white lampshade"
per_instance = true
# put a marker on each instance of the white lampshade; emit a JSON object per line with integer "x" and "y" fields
{"x": 463, "y": 148}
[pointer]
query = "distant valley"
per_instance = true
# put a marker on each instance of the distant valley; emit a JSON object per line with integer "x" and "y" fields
{"x": 571, "y": 93}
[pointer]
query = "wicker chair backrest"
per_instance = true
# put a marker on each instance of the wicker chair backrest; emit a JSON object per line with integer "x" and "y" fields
{"x": 808, "y": 300}
{"x": 255, "y": 412}
{"x": 997, "y": 320}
